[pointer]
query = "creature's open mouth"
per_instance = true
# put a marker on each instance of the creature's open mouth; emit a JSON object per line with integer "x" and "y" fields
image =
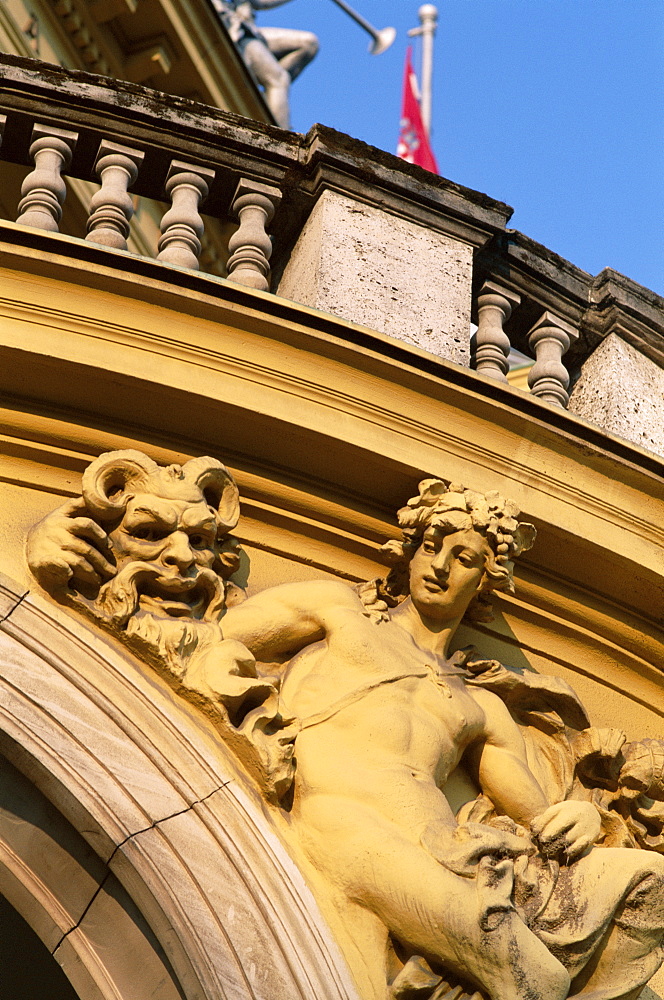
{"x": 162, "y": 594}
{"x": 176, "y": 597}
{"x": 433, "y": 585}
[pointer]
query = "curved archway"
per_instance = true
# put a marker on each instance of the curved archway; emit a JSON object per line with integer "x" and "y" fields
{"x": 165, "y": 833}
{"x": 52, "y": 880}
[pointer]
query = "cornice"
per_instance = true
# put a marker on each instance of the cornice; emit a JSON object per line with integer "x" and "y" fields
{"x": 621, "y": 306}
{"x": 318, "y": 411}
{"x": 177, "y": 46}
{"x": 334, "y": 161}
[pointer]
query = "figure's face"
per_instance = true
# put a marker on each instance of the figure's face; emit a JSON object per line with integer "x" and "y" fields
{"x": 174, "y": 540}
{"x": 446, "y": 573}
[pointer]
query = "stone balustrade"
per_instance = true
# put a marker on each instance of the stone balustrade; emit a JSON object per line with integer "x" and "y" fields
{"x": 321, "y": 219}
{"x": 117, "y": 168}
{"x": 251, "y": 248}
{"x": 596, "y": 343}
{"x": 43, "y": 190}
{"x": 334, "y": 225}
{"x": 139, "y": 145}
{"x": 490, "y": 344}
{"x": 182, "y": 226}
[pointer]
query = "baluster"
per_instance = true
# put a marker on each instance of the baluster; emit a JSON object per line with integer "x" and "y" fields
{"x": 43, "y": 189}
{"x": 548, "y": 339}
{"x": 490, "y": 345}
{"x": 111, "y": 208}
{"x": 251, "y": 248}
{"x": 182, "y": 226}
{"x": 3, "y": 122}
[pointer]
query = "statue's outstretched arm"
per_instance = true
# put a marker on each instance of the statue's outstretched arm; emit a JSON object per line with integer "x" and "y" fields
{"x": 281, "y": 621}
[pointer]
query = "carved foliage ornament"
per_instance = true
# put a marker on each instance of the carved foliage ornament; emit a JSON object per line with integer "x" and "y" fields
{"x": 548, "y": 884}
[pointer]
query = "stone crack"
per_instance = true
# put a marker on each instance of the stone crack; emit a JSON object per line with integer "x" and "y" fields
{"x": 118, "y": 847}
{"x": 5, "y": 617}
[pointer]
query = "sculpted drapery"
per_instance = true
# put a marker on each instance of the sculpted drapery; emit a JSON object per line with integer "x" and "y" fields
{"x": 540, "y": 888}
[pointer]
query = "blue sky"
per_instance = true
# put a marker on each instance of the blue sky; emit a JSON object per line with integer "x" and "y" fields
{"x": 553, "y": 106}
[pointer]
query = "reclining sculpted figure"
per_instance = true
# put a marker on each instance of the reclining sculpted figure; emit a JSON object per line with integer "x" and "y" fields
{"x": 514, "y": 897}
{"x": 529, "y": 911}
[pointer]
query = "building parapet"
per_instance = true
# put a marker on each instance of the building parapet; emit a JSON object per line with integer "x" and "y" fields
{"x": 595, "y": 306}
{"x": 167, "y": 126}
{"x": 602, "y": 352}
{"x": 336, "y": 225}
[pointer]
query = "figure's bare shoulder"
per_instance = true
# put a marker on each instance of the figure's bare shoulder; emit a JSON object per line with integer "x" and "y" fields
{"x": 281, "y": 620}
{"x": 487, "y": 699}
{"x": 499, "y": 726}
{"x": 317, "y": 596}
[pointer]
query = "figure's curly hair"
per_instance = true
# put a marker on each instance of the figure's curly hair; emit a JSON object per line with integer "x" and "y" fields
{"x": 453, "y": 508}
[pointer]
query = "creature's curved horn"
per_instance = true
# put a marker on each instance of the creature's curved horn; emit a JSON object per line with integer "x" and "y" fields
{"x": 105, "y": 480}
{"x": 218, "y": 487}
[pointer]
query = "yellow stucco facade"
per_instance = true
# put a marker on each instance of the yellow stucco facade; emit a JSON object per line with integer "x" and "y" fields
{"x": 171, "y": 874}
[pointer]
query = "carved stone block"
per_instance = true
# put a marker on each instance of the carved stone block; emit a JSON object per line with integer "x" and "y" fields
{"x": 622, "y": 391}
{"x": 383, "y": 272}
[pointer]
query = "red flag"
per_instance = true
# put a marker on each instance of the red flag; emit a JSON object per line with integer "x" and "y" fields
{"x": 413, "y": 139}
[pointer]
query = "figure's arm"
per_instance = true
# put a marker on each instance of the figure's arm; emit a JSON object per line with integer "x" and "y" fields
{"x": 279, "y": 622}
{"x": 502, "y": 771}
{"x": 501, "y": 766}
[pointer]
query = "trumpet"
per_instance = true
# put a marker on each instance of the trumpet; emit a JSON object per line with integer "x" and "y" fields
{"x": 381, "y": 39}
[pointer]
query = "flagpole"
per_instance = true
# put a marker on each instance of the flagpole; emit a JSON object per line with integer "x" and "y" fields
{"x": 428, "y": 15}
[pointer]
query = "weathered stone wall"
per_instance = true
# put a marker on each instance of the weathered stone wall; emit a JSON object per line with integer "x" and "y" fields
{"x": 622, "y": 391}
{"x": 390, "y": 274}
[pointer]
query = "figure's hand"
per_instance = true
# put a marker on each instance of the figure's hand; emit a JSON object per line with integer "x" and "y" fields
{"x": 567, "y": 828}
{"x": 69, "y": 546}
